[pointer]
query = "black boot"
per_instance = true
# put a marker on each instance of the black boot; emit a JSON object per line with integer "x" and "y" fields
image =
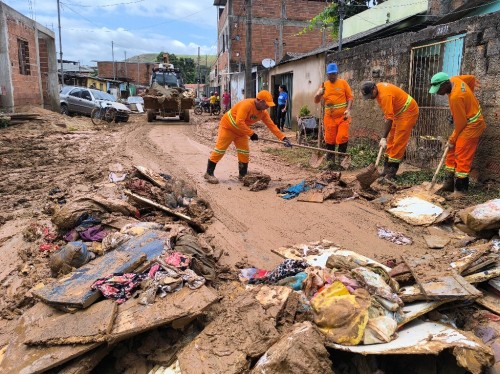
{"x": 243, "y": 170}
{"x": 386, "y": 165}
{"x": 449, "y": 181}
{"x": 343, "y": 149}
{"x": 330, "y": 156}
{"x": 209, "y": 175}
{"x": 392, "y": 169}
{"x": 461, "y": 187}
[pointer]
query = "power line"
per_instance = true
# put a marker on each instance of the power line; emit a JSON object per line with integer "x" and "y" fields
{"x": 105, "y": 6}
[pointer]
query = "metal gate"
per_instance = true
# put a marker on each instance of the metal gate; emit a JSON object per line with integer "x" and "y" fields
{"x": 433, "y": 127}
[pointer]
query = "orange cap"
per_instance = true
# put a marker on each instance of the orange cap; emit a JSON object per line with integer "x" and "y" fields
{"x": 267, "y": 97}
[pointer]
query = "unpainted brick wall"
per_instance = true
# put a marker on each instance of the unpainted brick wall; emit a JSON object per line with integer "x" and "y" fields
{"x": 388, "y": 60}
{"x": 26, "y": 88}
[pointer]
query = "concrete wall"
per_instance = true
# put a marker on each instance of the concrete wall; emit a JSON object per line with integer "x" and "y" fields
{"x": 388, "y": 60}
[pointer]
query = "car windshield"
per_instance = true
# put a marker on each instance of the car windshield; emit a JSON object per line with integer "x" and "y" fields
{"x": 99, "y": 95}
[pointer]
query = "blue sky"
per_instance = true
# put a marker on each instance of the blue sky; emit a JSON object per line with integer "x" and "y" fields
{"x": 134, "y": 26}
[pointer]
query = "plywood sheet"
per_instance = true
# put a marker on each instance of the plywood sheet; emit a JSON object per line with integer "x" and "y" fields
{"x": 74, "y": 289}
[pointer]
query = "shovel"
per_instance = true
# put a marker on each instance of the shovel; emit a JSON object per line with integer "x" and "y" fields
{"x": 370, "y": 174}
{"x": 346, "y": 162}
{"x": 440, "y": 165}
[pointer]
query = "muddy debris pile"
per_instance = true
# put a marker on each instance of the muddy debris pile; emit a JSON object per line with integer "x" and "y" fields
{"x": 411, "y": 307}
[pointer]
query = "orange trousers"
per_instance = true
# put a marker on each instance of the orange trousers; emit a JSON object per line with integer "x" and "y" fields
{"x": 398, "y": 137}
{"x": 336, "y": 128}
{"x": 224, "y": 140}
{"x": 459, "y": 158}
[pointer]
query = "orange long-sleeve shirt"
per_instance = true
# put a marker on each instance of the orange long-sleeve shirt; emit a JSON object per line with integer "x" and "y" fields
{"x": 244, "y": 114}
{"x": 465, "y": 109}
{"x": 337, "y": 94}
{"x": 392, "y": 100}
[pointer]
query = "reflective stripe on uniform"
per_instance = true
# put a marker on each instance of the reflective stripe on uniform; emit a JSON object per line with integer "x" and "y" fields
{"x": 390, "y": 159}
{"x": 335, "y": 106}
{"x": 231, "y": 119}
{"x": 220, "y": 151}
{"x": 449, "y": 168}
{"x": 475, "y": 118}
{"x": 461, "y": 175}
{"x": 407, "y": 104}
{"x": 242, "y": 151}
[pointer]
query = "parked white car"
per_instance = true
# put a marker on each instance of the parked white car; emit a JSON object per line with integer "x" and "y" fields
{"x": 82, "y": 100}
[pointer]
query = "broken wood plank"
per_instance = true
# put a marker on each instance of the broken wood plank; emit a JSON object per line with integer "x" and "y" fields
{"x": 195, "y": 225}
{"x": 87, "y": 362}
{"x": 490, "y": 301}
{"x": 414, "y": 310}
{"x": 86, "y": 326}
{"x": 150, "y": 175}
{"x": 74, "y": 289}
{"x": 483, "y": 275}
{"x": 476, "y": 252}
{"x": 23, "y": 359}
{"x": 439, "y": 283}
{"x": 134, "y": 318}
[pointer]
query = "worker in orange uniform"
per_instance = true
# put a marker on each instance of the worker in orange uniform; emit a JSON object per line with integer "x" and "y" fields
{"x": 469, "y": 125}
{"x": 401, "y": 114}
{"x": 337, "y": 97}
{"x": 235, "y": 127}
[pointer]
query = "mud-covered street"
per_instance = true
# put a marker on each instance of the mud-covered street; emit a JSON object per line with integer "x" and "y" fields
{"x": 56, "y": 162}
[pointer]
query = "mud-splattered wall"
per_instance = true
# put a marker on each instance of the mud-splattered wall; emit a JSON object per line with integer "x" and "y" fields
{"x": 388, "y": 60}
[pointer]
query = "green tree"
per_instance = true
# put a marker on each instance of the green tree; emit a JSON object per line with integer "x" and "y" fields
{"x": 329, "y": 18}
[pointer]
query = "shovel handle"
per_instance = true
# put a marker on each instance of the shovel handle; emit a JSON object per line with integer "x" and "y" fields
{"x": 306, "y": 147}
{"x": 379, "y": 156}
{"x": 440, "y": 165}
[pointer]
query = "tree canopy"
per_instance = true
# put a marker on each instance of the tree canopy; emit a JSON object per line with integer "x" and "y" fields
{"x": 187, "y": 66}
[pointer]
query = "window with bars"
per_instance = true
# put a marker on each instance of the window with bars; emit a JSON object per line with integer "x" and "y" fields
{"x": 24, "y": 57}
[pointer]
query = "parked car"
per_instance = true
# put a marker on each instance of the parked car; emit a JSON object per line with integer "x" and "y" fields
{"x": 82, "y": 100}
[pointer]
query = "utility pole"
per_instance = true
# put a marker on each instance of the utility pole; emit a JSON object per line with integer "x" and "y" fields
{"x": 113, "y": 57}
{"x": 341, "y": 21}
{"x": 199, "y": 76}
{"x": 248, "y": 52}
{"x": 126, "y": 75}
{"x": 60, "y": 43}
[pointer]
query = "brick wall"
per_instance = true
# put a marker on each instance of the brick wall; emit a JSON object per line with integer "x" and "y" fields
{"x": 105, "y": 70}
{"x": 26, "y": 88}
{"x": 390, "y": 59}
{"x": 267, "y": 21}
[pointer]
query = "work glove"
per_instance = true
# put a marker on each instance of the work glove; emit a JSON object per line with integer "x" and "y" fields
{"x": 383, "y": 143}
{"x": 287, "y": 143}
{"x": 254, "y": 137}
{"x": 320, "y": 92}
{"x": 347, "y": 113}
{"x": 450, "y": 145}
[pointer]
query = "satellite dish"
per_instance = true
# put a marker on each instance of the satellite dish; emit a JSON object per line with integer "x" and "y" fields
{"x": 268, "y": 63}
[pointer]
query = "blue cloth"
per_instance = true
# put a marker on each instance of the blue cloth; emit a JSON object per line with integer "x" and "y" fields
{"x": 295, "y": 190}
{"x": 282, "y": 98}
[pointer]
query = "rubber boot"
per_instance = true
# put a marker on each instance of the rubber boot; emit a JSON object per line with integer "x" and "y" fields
{"x": 330, "y": 156}
{"x": 386, "y": 165}
{"x": 343, "y": 149}
{"x": 449, "y": 181}
{"x": 461, "y": 187}
{"x": 243, "y": 170}
{"x": 392, "y": 169}
{"x": 209, "y": 175}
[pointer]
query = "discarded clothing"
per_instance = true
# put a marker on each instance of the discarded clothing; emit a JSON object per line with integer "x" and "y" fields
{"x": 178, "y": 260}
{"x": 86, "y": 221}
{"x": 295, "y": 190}
{"x": 119, "y": 286}
{"x": 295, "y": 281}
{"x": 393, "y": 236}
{"x": 94, "y": 234}
{"x": 287, "y": 268}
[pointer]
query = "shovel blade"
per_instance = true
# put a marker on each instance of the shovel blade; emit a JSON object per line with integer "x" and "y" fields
{"x": 368, "y": 176}
{"x": 316, "y": 159}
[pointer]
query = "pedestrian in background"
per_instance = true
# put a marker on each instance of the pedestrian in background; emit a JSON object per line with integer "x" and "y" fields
{"x": 337, "y": 97}
{"x": 282, "y": 106}
{"x": 226, "y": 101}
{"x": 468, "y": 124}
{"x": 234, "y": 127}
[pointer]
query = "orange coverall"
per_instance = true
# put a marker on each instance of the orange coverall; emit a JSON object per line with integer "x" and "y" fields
{"x": 402, "y": 109}
{"x": 336, "y": 96}
{"x": 235, "y": 127}
{"x": 469, "y": 125}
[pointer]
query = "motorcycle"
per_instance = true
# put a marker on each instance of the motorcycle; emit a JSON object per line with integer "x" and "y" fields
{"x": 205, "y": 107}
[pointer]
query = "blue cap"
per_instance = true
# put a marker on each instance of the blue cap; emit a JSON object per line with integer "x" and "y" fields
{"x": 332, "y": 68}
